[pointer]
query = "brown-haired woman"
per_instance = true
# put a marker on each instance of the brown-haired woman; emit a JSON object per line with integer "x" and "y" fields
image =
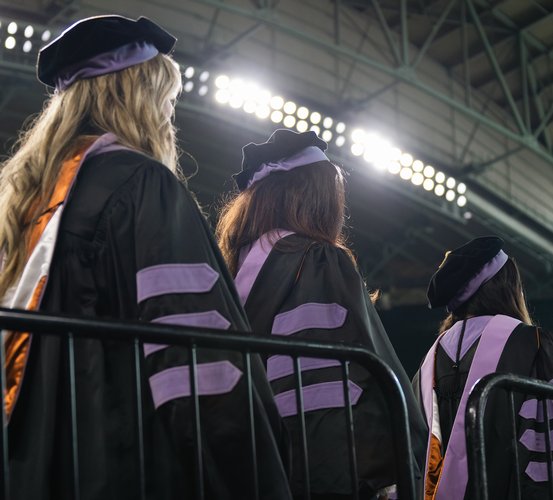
{"x": 94, "y": 222}
{"x": 488, "y": 329}
{"x": 282, "y": 237}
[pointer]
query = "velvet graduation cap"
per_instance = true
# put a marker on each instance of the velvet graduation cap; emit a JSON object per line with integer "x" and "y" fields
{"x": 100, "y": 45}
{"x": 464, "y": 270}
{"x": 283, "y": 151}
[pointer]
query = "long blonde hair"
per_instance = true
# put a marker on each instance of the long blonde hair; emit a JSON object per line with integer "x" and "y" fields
{"x": 129, "y": 103}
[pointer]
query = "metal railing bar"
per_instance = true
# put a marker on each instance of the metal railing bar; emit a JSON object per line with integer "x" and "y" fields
{"x": 140, "y": 418}
{"x": 548, "y": 448}
{"x": 350, "y": 432}
{"x": 73, "y": 409}
{"x": 197, "y": 439}
{"x": 5, "y": 479}
{"x": 515, "y": 444}
{"x": 303, "y": 429}
{"x": 251, "y": 418}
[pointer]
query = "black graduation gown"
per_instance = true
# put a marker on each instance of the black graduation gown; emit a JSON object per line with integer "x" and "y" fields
{"x": 299, "y": 271}
{"x": 127, "y": 213}
{"x": 528, "y": 352}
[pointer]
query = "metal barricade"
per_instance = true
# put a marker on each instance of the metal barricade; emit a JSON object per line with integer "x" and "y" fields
{"x": 194, "y": 338}
{"x": 475, "y": 429}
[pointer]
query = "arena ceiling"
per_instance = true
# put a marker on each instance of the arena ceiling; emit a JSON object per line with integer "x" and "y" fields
{"x": 463, "y": 86}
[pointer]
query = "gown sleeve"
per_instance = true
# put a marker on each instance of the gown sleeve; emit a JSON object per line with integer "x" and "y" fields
{"x": 164, "y": 257}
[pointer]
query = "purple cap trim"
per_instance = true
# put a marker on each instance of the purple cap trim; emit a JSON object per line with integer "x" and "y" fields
{"x": 310, "y": 315}
{"x": 208, "y": 319}
{"x": 473, "y": 330}
{"x": 174, "y": 278}
{"x": 537, "y": 471}
{"x": 311, "y": 154}
{"x": 317, "y": 397}
{"x": 485, "y": 274}
{"x": 108, "y": 62}
{"x": 282, "y": 366}
{"x": 219, "y": 377}
{"x": 532, "y": 410}
{"x": 534, "y": 441}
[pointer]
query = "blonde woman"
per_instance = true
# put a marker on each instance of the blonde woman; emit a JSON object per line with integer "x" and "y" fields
{"x": 94, "y": 222}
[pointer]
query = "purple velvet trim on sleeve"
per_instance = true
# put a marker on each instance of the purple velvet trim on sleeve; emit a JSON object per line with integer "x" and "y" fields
{"x": 108, "y": 62}
{"x": 215, "y": 378}
{"x": 282, "y": 366}
{"x": 537, "y": 471}
{"x": 485, "y": 274}
{"x": 174, "y": 278}
{"x": 309, "y": 315}
{"x": 534, "y": 441}
{"x": 311, "y": 154}
{"x": 532, "y": 410}
{"x": 208, "y": 319}
{"x": 317, "y": 397}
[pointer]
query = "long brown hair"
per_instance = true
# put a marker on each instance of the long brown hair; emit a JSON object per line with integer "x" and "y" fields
{"x": 503, "y": 294}
{"x": 308, "y": 200}
{"x": 128, "y": 103}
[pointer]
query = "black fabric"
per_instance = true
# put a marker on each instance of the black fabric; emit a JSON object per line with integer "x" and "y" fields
{"x": 327, "y": 275}
{"x": 283, "y": 143}
{"x": 128, "y": 212}
{"x": 459, "y": 267}
{"x": 95, "y": 35}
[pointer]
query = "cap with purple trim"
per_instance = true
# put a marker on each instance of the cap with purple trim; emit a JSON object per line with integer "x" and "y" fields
{"x": 464, "y": 270}
{"x": 283, "y": 151}
{"x": 100, "y": 45}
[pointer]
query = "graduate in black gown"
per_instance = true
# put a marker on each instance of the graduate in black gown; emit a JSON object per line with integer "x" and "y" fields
{"x": 488, "y": 329}
{"x": 97, "y": 222}
{"x": 282, "y": 239}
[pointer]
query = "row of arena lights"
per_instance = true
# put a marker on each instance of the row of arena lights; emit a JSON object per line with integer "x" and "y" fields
{"x": 375, "y": 150}
{"x": 24, "y": 35}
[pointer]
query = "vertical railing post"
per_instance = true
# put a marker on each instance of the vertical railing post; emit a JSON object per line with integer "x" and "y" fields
{"x": 548, "y": 448}
{"x": 73, "y": 405}
{"x": 514, "y": 435}
{"x": 197, "y": 438}
{"x": 350, "y": 432}
{"x": 5, "y": 479}
{"x": 139, "y": 417}
{"x": 251, "y": 421}
{"x": 303, "y": 430}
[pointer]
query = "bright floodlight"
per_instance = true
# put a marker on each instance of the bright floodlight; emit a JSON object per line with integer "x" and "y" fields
{"x": 462, "y": 201}
{"x": 263, "y": 111}
{"x": 236, "y": 101}
{"x": 46, "y": 36}
{"x": 340, "y": 141}
{"x": 327, "y": 122}
{"x": 277, "y": 102}
{"x": 204, "y": 76}
{"x": 250, "y": 106}
{"x": 428, "y": 184}
{"x": 222, "y": 96}
{"x": 188, "y": 86}
{"x": 315, "y": 129}
{"x": 450, "y": 195}
{"x": 327, "y": 136}
{"x": 439, "y": 190}
{"x": 394, "y": 167}
{"x": 406, "y": 160}
{"x": 341, "y": 127}
{"x": 357, "y": 149}
{"x": 461, "y": 188}
{"x": 418, "y": 166}
{"x": 222, "y": 82}
{"x": 203, "y": 90}
{"x": 303, "y": 113}
{"x": 290, "y": 107}
{"x": 189, "y": 72}
{"x": 29, "y": 30}
{"x": 429, "y": 171}
{"x": 10, "y": 42}
{"x": 379, "y": 151}
{"x": 277, "y": 116}
{"x": 12, "y": 28}
{"x": 289, "y": 121}
{"x": 27, "y": 46}
{"x": 406, "y": 173}
{"x": 358, "y": 136}
{"x": 440, "y": 178}
{"x": 302, "y": 126}
{"x": 417, "y": 179}
{"x": 315, "y": 118}
{"x": 450, "y": 183}
{"x": 395, "y": 154}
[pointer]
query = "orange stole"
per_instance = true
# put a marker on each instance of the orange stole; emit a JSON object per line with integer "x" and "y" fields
{"x": 17, "y": 344}
{"x": 435, "y": 464}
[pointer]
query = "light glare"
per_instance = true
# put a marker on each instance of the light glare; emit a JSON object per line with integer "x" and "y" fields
{"x": 315, "y": 129}
{"x": 27, "y": 46}
{"x": 428, "y": 184}
{"x": 46, "y": 36}
{"x": 222, "y": 96}
{"x": 222, "y": 82}
{"x": 327, "y": 122}
{"x": 290, "y": 107}
{"x": 327, "y": 136}
{"x": 12, "y": 28}
{"x": 341, "y": 127}
{"x": 406, "y": 160}
{"x": 303, "y": 113}
{"x": 315, "y": 118}
{"x": 302, "y": 126}
{"x": 189, "y": 72}
{"x": 289, "y": 121}
{"x": 461, "y": 188}
{"x": 439, "y": 190}
{"x": 277, "y": 102}
{"x": 417, "y": 179}
{"x": 9, "y": 43}
{"x": 358, "y": 136}
{"x": 450, "y": 195}
{"x": 357, "y": 149}
{"x": 204, "y": 76}
{"x": 277, "y": 116}
{"x": 263, "y": 111}
{"x": 340, "y": 141}
{"x": 462, "y": 201}
{"x": 203, "y": 90}
{"x": 429, "y": 171}
{"x": 394, "y": 167}
{"x": 440, "y": 178}
{"x": 450, "y": 183}
{"x": 29, "y": 30}
{"x": 406, "y": 173}
{"x": 418, "y": 166}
